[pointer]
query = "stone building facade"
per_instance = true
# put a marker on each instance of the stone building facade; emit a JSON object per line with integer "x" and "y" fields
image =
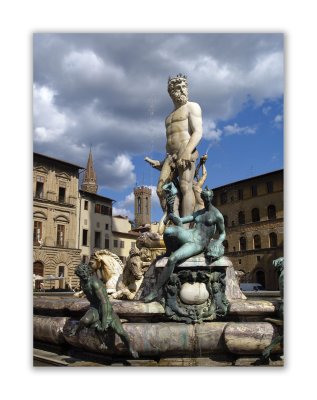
{"x": 55, "y": 244}
{"x": 70, "y": 224}
{"x": 124, "y": 239}
{"x": 254, "y": 219}
{"x": 95, "y": 223}
{"x": 98, "y": 229}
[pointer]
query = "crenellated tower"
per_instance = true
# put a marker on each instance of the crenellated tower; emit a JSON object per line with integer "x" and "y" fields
{"x": 142, "y": 205}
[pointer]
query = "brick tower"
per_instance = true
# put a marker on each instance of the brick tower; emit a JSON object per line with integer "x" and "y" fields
{"x": 142, "y": 205}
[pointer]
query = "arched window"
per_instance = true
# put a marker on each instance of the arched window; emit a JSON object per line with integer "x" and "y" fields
{"x": 255, "y": 215}
{"x": 241, "y": 218}
{"x": 38, "y": 268}
{"x": 139, "y": 205}
{"x": 243, "y": 243}
{"x": 271, "y": 212}
{"x": 256, "y": 242}
{"x": 225, "y": 245}
{"x": 38, "y": 273}
{"x": 273, "y": 239}
{"x": 260, "y": 277}
{"x": 225, "y": 220}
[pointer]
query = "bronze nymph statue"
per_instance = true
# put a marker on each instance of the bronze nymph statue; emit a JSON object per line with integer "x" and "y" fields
{"x": 182, "y": 243}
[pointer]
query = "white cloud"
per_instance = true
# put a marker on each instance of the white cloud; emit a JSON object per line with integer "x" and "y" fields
{"x": 115, "y": 132}
{"x": 224, "y": 85}
{"x": 48, "y": 121}
{"x": 210, "y": 132}
{"x": 124, "y": 212}
{"x": 127, "y": 202}
{"x": 266, "y": 110}
{"x": 235, "y": 129}
{"x": 278, "y": 121}
{"x": 265, "y": 80}
{"x": 88, "y": 66}
{"x": 120, "y": 173}
{"x": 278, "y": 118}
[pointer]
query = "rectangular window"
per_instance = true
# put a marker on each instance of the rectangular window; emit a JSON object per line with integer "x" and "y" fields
{"x": 60, "y": 240}
{"x": 39, "y": 191}
{"x": 85, "y": 259}
{"x": 107, "y": 227}
{"x": 121, "y": 244}
{"x": 239, "y": 260}
{"x": 269, "y": 186}
{"x": 61, "y": 194}
{"x": 37, "y": 232}
{"x": 258, "y": 258}
{"x": 240, "y": 194}
{"x": 223, "y": 198}
{"x": 97, "y": 240}
{"x": 107, "y": 244}
{"x": 85, "y": 237}
{"x": 98, "y": 224}
{"x": 97, "y": 208}
{"x": 86, "y": 205}
{"x": 115, "y": 243}
{"x": 254, "y": 190}
{"x": 132, "y": 245}
{"x": 105, "y": 210}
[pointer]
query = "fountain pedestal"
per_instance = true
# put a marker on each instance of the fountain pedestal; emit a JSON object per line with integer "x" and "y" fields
{"x": 197, "y": 290}
{"x": 244, "y": 330}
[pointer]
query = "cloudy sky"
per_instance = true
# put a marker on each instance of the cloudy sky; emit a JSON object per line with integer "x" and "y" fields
{"x": 109, "y": 92}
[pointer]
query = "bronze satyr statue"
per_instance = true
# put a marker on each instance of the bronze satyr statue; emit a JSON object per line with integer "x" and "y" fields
{"x": 182, "y": 243}
{"x": 278, "y": 264}
{"x": 100, "y": 314}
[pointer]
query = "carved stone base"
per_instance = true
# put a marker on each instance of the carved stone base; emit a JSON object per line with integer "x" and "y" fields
{"x": 197, "y": 290}
{"x": 248, "y": 329}
{"x": 164, "y": 338}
